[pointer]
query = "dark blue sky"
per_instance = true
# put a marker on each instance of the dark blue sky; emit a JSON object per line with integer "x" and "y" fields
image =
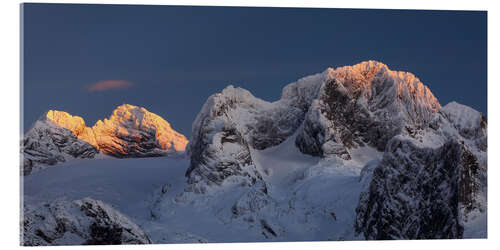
{"x": 178, "y": 56}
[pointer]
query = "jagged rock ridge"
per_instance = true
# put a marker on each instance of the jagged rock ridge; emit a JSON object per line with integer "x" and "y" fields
{"x": 420, "y": 193}
{"x": 48, "y": 143}
{"x": 364, "y": 104}
{"x": 133, "y": 131}
{"x": 233, "y": 123}
{"x": 130, "y": 131}
{"x": 426, "y": 189}
{"x": 338, "y": 111}
{"x": 333, "y": 112}
{"x": 80, "y": 222}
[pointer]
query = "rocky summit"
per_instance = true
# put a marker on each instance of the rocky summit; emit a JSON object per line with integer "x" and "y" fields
{"x": 130, "y": 131}
{"x": 133, "y": 131}
{"x": 334, "y": 115}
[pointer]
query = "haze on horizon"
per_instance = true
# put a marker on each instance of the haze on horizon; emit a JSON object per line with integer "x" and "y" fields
{"x": 89, "y": 59}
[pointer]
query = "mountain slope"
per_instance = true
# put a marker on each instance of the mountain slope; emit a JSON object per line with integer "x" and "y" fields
{"x": 80, "y": 222}
{"x": 333, "y": 115}
{"x": 365, "y": 104}
{"x": 48, "y": 143}
{"x": 334, "y": 112}
{"x": 418, "y": 192}
{"x": 353, "y": 153}
{"x": 233, "y": 123}
{"x": 130, "y": 131}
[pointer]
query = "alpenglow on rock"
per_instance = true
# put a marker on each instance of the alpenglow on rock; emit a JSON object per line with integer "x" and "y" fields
{"x": 364, "y": 104}
{"x": 332, "y": 112}
{"x": 74, "y": 123}
{"x": 131, "y": 131}
{"x": 55, "y": 138}
{"x": 430, "y": 182}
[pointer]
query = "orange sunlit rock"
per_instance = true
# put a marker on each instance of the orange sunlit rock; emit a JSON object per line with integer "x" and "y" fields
{"x": 130, "y": 131}
{"x": 139, "y": 130}
{"x": 74, "y": 123}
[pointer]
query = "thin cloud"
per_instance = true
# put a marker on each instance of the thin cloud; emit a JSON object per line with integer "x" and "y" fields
{"x": 109, "y": 85}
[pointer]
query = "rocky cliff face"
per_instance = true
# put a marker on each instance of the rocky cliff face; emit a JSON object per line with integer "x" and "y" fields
{"x": 75, "y": 124}
{"x": 333, "y": 112}
{"x": 432, "y": 174}
{"x": 365, "y": 104}
{"x": 418, "y": 192}
{"x": 130, "y": 131}
{"x": 133, "y": 131}
{"x": 233, "y": 123}
{"x": 426, "y": 188}
{"x": 49, "y": 143}
{"x": 80, "y": 222}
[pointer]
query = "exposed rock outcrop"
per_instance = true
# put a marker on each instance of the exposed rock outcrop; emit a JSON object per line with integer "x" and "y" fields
{"x": 130, "y": 131}
{"x": 233, "y": 123}
{"x": 333, "y": 112}
{"x": 133, "y": 131}
{"x": 418, "y": 192}
{"x": 432, "y": 175}
{"x": 365, "y": 104}
{"x": 75, "y": 124}
{"x": 49, "y": 143}
{"x": 81, "y": 222}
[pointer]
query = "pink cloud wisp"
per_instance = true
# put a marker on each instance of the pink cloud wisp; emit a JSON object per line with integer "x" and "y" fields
{"x": 109, "y": 85}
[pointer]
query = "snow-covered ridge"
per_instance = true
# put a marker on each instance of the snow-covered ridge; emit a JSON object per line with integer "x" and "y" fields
{"x": 417, "y": 192}
{"x": 80, "y": 222}
{"x": 364, "y": 104}
{"x": 333, "y": 116}
{"x": 335, "y": 111}
{"x": 48, "y": 144}
{"x": 75, "y": 124}
{"x": 130, "y": 131}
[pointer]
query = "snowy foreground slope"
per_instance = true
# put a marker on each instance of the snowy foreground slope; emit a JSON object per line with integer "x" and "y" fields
{"x": 311, "y": 199}
{"x": 354, "y": 153}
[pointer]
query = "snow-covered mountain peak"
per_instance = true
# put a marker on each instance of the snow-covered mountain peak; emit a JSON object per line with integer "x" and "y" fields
{"x": 332, "y": 113}
{"x": 372, "y": 76}
{"x": 130, "y": 131}
{"x": 131, "y": 112}
{"x": 364, "y": 68}
{"x": 131, "y": 115}
{"x": 463, "y": 116}
{"x": 56, "y": 137}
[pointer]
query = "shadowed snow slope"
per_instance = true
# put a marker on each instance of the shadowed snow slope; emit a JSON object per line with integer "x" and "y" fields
{"x": 313, "y": 200}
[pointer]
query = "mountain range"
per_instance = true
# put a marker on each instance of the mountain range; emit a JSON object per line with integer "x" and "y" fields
{"x": 130, "y": 131}
{"x": 352, "y": 153}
